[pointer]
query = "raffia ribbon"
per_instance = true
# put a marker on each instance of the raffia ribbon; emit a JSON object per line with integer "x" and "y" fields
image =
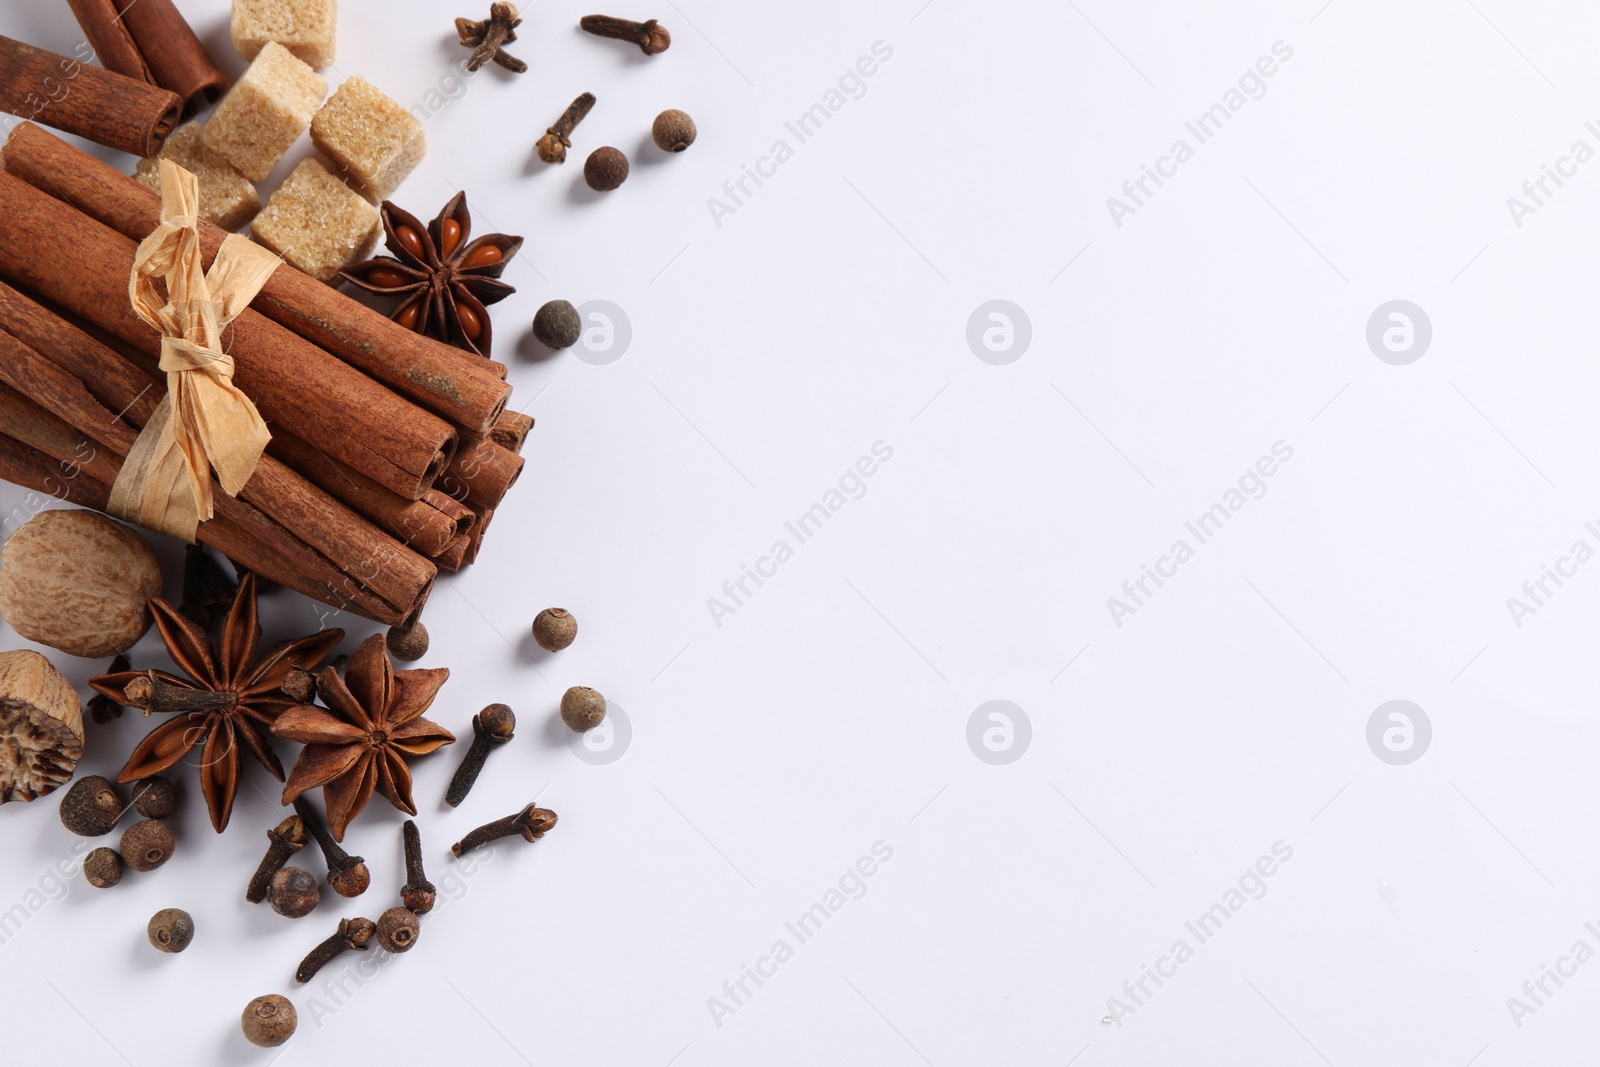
{"x": 205, "y": 422}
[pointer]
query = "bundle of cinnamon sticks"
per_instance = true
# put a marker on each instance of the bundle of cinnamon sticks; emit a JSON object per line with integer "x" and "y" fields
{"x": 389, "y": 452}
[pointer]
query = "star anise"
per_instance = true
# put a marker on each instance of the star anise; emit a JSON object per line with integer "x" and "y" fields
{"x": 229, "y": 699}
{"x": 446, "y": 278}
{"x": 360, "y": 744}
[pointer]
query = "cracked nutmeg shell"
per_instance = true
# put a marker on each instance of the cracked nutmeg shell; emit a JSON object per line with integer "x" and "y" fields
{"x": 78, "y": 582}
{"x": 41, "y": 728}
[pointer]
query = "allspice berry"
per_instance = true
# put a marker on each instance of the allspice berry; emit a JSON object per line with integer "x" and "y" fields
{"x": 294, "y": 892}
{"x": 269, "y": 1021}
{"x": 557, "y": 325}
{"x": 102, "y": 868}
{"x": 91, "y": 807}
{"x": 171, "y": 929}
{"x": 673, "y": 130}
{"x": 155, "y": 798}
{"x": 147, "y": 845}
{"x": 582, "y": 708}
{"x": 397, "y": 930}
{"x": 554, "y": 629}
{"x": 408, "y": 643}
{"x": 605, "y": 169}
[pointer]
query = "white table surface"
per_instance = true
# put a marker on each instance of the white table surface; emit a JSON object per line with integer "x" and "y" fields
{"x": 780, "y": 338}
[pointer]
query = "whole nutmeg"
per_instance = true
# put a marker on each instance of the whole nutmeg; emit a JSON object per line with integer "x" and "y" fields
{"x": 91, "y": 807}
{"x": 554, "y": 629}
{"x": 78, "y": 582}
{"x": 155, "y": 798}
{"x": 557, "y": 325}
{"x": 408, "y": 643}
{"x": 102, "y": 868}
{"x": 673, "y": 130}
{"x": 269, "y": 1021}
{"x": 605, "y": 169}
{"x": 146, "y": 845}
{"x": 397, "y": 930}
{"x": 294, "y": 892}
{"x": 41, "y": 727}
{"x": 171, "y": 929}
{"x": 582, "y": 708}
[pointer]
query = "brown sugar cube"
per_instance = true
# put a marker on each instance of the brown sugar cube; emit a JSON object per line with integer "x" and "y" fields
{"x": 227, "y": 198}
{"x": 265, "y": 112}
{"x": 317, "y": 223}
{"x": 304, "y": 27}
{"x": 373, "y": 141}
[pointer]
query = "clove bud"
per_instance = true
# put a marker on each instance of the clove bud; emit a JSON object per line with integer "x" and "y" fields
{"x": 284, "y": 840}
{"x": 531, "y": 823}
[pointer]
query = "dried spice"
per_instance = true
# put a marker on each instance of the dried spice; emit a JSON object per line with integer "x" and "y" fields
{"x": 491, "y": 728}
{"x": 283, "y": 841}
{"x": 673, "y": 130}
{"x": 447, "y": 279}
{"x": 361, "y": 743}
{"x": 531, "y": 823}
{"x": 557, "y": 324}
{"x": 91, "y": 807}
{"x": 102, "y": 868}
{"x": 582, "y": 708}
{"x": 171, "y": 929}
{"x": 408, "y": 643}
{"x": 207, "y": 590}
{"x": 554, "y": 629}
{"x": 347, "y": 874}
{"x": 41, "y": 727}
{"x": 294, "y": 892}
{"x": 146, "y": 845}
{"x": 352, "y": 934}
{"x": 397, "y": 930}
{"x": 418, "y": 894}
{"x": 155, "y": 798}
{"x": 228, "y": 701}
{"x": 488, "y": 38}
{"x": 651, "y": 37}
{"x": 558, "y": 138}
{"x": 269, "y": 1021}
{"x": 605, "y": 169}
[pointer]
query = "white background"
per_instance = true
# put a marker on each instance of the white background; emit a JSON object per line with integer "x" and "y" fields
{"x": 830, "y": 712}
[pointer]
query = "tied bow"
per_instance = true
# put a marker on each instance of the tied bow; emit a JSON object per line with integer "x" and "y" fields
{"x": 205, "y": 423}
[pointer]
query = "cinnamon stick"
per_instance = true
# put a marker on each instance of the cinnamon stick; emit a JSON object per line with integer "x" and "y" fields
{"x": 56, "y": 438}
{"x": 101, "y": 105}
{"x": 175, "y": 56}
{"x": 454, "y": 557}
{"x": 482, "y": 471}
{"x": 102, "y": 24}
{"x": 511, "y": 430}
{"x": 359, "y": 551}
{"x": 417, "y": 523}
{"x": 49, "y": 248}
{"x": 465, "y": 389}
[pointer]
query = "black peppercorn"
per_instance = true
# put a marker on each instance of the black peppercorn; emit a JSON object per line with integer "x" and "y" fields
{"x": 171, "y": 930}
{"x": 582, "y": 708}
{"x": 605, "y": 169}
{"x": 408, "y": 643}
{"x": 557, "y": 325}
{"x": 155, "y": 798}
{"x": 673, "y": 130}
{"x": 147, "y": 845}
{"x": 269, "y": 1021}
{"x": 294, "y": 892}
{"x": 554, "y": 629}
{"x": 102, "y": 868}
{"x": 91, "y": 807}
{"x": 397, "y": 930}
